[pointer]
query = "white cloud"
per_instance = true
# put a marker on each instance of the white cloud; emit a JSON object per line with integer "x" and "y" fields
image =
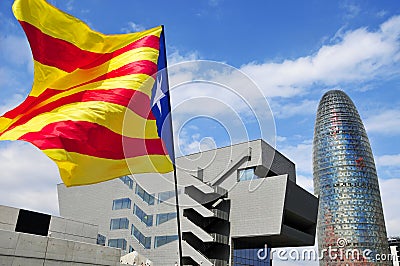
{"x": 187, "y": 144}
{"x": 384, "y": 122}
{"x": 352, "y": 10}
{"x": 214, "y": 3}
{"x": 355, "y": 56}
{"x": 176, "y": 56}
{"x": 220, "y": 93}
{"x": 390, "y": 199}
{"x": 7, "y": 79}
{"x": 28, "y": 178}
{"x": 305, "y": 107}
{"x": 190, "y": 141}
{"x": 280, "y": 138}
{"x": 388, "y": 160}
{"x": 388, "y": 166}
{"x": 133, "y": 27}
{"x": 305, "y": 182}
{"x": 11, "y": 103}
{"x": 301, "y": 155}
{"x": 381, "y": 13}
{"x": 17, "y": 62}
{"x": 16, "y": 50}
{"x": 70, "y": 5}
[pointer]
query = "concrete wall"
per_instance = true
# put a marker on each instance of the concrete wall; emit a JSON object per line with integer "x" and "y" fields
{"x": 73, "y": 230}
{"x": 26, "y": 249}
{"x": 257, "y": 207}
{"x": 59, "y": 227}
{"x": 8, "y": 218}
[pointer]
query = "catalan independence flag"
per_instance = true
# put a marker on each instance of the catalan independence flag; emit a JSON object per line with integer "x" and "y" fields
{"x": 98, "y": 106}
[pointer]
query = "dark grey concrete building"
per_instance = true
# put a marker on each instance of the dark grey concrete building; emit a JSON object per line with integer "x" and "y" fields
{"x": 233, "y": 201}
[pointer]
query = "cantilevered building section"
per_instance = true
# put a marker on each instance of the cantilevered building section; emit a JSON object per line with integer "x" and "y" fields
{"x": 350, "y": 209}
{"x": 234, "y": 200}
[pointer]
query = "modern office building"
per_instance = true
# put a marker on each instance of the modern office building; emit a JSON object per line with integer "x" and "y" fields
{"x": 345, "y": 179}
{"x": 233, "y": 201}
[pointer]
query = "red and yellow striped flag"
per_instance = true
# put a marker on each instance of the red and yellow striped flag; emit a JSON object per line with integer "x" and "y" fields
{"x": 90, "y": 99}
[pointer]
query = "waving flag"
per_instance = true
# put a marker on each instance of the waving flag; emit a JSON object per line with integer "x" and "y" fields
{"x": 94, "y": 108}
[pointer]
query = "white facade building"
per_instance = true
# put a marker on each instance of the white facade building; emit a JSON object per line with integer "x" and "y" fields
{"x": 233, "y": 201}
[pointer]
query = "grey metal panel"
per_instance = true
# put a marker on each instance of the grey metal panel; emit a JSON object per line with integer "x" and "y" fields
{"x": 279, "y": 214}
{"x": 257, "y": 206}
{"x": 276, "y": 162}
{"x": 306, "y": 208}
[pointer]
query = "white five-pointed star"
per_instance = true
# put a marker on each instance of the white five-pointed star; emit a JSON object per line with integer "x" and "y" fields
{"x": 159, "y": 94}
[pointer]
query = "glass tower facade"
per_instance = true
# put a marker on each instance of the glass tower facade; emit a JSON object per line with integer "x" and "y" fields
{"x": 350, "y": 218}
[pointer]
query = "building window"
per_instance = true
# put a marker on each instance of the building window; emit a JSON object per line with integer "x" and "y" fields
{"x": 117, "y": 243}
{"x": 144, "y": 241}
{"x": 144, "y": 217}
{"x": 131, "y": 249}
{"x": 101, "y": 240}
{"x": 124, "y": 203}
{"x": 164, "y": 196}
{"x": 127, "y": 181}
{"x": 120, "y": 223}
{"x": 164, "y": 217}
{"x": 247, "y": 174}
{"x": 162, "y": 240}
{"x": 146, "y": 197}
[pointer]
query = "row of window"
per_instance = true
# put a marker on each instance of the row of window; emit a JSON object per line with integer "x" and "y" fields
{"x": 123, "y": 223}
{"x": 144, "y": 217}
{"x": 335, "y": 149}
{"x": 346, "y": 158}
{"x": 117, "y": 243}
{"x": 143, "y": 240}
{"x": 338, "y": 117}
{"x": 146, "y": 197}
{"x": 127, "y": 181}
{"x": 119, "y": 223}
{"x": 345, "y": 208}
{"x": 162, "y": 240}
{"x": 164, "y": 217}
{"x": 331, "y": 172}
{"x": 119, "y": 204}
{"x": 166, "y": 195}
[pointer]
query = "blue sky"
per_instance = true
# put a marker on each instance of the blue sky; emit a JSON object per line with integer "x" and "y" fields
{"x": 293, "y": 50}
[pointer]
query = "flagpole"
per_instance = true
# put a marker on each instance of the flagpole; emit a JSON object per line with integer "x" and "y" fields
{"x": 178, "y": 218}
